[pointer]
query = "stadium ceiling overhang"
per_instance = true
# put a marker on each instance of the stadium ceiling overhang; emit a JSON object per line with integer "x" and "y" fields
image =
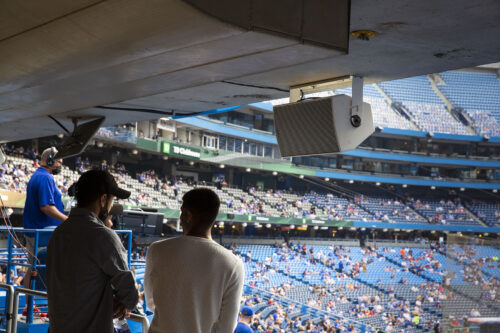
{"x": 133, "y": 60}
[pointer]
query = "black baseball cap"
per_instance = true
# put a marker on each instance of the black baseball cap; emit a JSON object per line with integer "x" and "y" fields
{"x": 101, "y": 181}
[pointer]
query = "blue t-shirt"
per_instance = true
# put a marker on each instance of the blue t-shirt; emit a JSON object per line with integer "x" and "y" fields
{"x": 242, "y": 328}
{"x": 41, "y": 191}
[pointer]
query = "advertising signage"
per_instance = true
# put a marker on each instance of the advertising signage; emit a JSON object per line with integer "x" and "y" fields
{"x": 176, "y": 149}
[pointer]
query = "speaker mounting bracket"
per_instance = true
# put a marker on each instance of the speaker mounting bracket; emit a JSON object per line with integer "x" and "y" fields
{"x": 354, "y": 81}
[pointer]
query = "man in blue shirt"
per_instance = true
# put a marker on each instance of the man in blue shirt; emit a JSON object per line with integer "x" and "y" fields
{"x": 246, "y": 315}
{"x": 43, "y": 206}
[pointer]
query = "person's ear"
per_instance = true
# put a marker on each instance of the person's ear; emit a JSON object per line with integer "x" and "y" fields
{"x": 189, "y": 217}
{"x": 103, "y": 199}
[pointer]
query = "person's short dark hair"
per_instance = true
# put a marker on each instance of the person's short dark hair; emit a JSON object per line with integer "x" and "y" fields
{"x": 94, "y": 183}
{"x": 203, "y": 204}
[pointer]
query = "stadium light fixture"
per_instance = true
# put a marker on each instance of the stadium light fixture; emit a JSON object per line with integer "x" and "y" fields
{"x": 135, "y": 151}
{"x": 100, "y": 144}
{"x": 462, "y": 189}
{"x": 324, "y": 228}
{"x": 341, "y": 228}
{"x": 301, "y": 176}
{"x": 292, "y": 226}
{"x": 221, "y": 223}
{"x": 486, "y": 234}
{"x": 351, "y": 181}
{"x": 495, "y": 190}
{"x": 60, "y": 136}
{"x": 268, "y": 225}
{"x": 233, "y": 226}
{"x": 385, "y": 230}
{"x": 405, "y": 185}
{"x": 433, "y": 187}
{"x": 165, "y": 158}
{"x": 275, "y": 173}
{"x": 316, "y": 227}
{"x": 353, "y": 229}
{"x": 191, "y": 162}
{"x": 248, "y": 170}
{"x": 244, "y": 224}
{"x": 363, "y": 229}
{"x": 222, "y": 166}
{"x": 377, "y": 183}
{"x": 327, "y": 179}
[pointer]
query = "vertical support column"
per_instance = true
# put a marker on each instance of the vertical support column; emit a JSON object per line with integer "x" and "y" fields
{"x": 30, "y": 301}
{"x": 129, "y": 247}
{"x": 9, "y": 259}
{"x": 230, "y": 176}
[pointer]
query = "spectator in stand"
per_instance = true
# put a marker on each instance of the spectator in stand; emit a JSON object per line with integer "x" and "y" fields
{"x": 208, "y": 279}
{"x": 246, "y": 315}
{"x": 86, "y": 163}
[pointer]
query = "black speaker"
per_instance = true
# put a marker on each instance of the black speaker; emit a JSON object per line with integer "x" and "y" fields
{"x": 142, "y": 223}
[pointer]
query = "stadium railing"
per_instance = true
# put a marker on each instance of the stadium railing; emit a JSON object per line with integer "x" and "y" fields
{"x": 8, "y": 305}
{"x": 42, "y": 237}
{"x": 14, "y": 309}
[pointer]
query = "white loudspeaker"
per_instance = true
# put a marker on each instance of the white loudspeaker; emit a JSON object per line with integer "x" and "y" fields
{"x": 321, "y": 126}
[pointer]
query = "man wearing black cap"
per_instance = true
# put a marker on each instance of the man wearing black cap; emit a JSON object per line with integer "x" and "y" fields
{"x": 88, "y": 281}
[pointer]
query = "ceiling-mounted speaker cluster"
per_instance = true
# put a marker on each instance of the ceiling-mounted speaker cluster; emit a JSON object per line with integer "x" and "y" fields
{"x": 321, "y": 126}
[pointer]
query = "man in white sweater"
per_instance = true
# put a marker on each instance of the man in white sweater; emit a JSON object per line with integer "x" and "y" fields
{"x": 192, "y": 284}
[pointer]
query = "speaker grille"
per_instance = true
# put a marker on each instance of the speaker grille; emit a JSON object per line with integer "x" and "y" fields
{"x": 305, "y": 128}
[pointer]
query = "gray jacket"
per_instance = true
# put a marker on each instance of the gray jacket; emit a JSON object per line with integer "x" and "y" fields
{"x": 86, "y": 268}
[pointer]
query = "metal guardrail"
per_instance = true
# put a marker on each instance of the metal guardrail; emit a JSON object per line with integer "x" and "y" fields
{"x": 40, "y": 236}
{"x": 14, "y": 306}
{"x": 140, "y": 319}
{"x": 8, "y": 308}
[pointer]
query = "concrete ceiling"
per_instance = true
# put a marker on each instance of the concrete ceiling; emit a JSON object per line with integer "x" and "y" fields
{"x": 153, "y": 57}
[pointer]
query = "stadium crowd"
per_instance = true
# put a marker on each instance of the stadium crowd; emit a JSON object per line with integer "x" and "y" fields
{"x": 14, "y": 177}
{"x": 419, "y": 307}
